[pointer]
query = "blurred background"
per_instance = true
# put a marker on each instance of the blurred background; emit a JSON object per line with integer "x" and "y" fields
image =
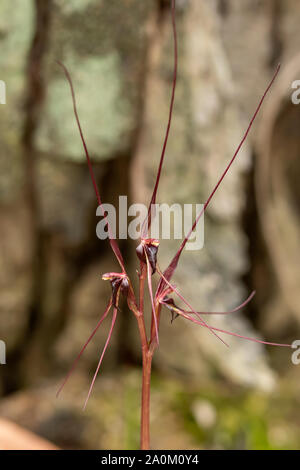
{"x": 120, "y": 55}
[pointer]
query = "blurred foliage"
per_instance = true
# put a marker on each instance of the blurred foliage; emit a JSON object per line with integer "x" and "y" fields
{"x": 244, "y": 419}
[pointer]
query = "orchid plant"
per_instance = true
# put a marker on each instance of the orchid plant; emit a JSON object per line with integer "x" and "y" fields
{"x": 147, "y": 250}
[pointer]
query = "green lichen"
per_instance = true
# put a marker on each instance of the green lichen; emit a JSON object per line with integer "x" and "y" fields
{"x": 16, "y": 28}
{"x": 104, "y": 114}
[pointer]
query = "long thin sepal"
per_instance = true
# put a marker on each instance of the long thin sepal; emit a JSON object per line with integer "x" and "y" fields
{"x": 175, "y": 290}
{"x": 112, "y": 241}
{"x": 188, "y": 317}
{"x": 84, "y": 347}
{"x": 149, "y": 278}
{"x": 168, "y": 273}
{"x": 115, "y": 312}
{"x": 236, "y": 309}
{"x": 146, "y": 226}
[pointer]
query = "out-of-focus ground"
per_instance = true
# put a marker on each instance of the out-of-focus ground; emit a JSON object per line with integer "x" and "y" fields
{"x": 120, "y": 55}
{"x": 185, "y": 415}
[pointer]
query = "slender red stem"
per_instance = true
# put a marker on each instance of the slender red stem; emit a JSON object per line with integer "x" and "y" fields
{"x": 146, "y": 363}
{"x": 145, "y": 409}
{"x": 149, "y": 347}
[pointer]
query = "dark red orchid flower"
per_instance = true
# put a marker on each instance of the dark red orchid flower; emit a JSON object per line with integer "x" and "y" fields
{"x": 147, "y": 252}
